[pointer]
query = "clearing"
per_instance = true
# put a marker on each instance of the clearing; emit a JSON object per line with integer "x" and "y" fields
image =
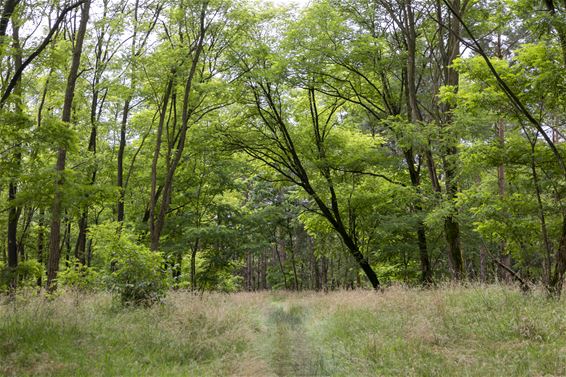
{"x": 450, "y": 331}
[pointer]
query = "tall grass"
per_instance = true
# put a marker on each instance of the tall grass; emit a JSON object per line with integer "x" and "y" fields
{"x": 88, "y": 335}
{"x": 450, "y": 331}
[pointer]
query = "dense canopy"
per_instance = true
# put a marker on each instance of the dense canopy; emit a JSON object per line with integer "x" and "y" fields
{"x": 238, "y": 145}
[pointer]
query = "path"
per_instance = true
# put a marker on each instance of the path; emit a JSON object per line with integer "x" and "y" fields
{"x": 290, "y": 351}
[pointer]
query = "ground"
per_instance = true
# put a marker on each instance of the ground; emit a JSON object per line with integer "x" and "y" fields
{"x": 449, "y": 331}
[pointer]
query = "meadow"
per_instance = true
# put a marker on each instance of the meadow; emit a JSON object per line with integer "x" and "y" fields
{"x": 448, "y": 331}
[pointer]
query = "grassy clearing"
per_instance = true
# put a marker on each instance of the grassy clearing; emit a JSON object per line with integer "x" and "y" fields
{"x": 473, "y": 331}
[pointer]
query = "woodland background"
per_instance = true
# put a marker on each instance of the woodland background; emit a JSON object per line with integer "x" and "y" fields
{"x": 233, "y": 145}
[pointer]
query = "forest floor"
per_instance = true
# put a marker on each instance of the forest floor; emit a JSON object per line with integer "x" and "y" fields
{"x": 449, "y": 331}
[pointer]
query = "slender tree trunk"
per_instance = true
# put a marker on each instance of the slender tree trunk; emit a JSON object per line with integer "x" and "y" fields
{"x": 153, "y": 228}
{"x": 135, "y": 51}
{"x": 547, "y": 264}
{"x": 249, "y": 272}
{"x": 558, "y": 23}
{"x": 483, "y": 264}
{"x": 28, "y": 218}
{"x": 67, "y": 238}
{"x": 120, "y": 211}
{"x": 40, "y": 241}
{"x": 317, "y": 275}
{"x": 194, "y": 251}
{"x": 263, "y": 260}
{"x": 178, "y": 269}
{"x": 504, "y": 258}
{"x": 451, "y": 78}
{"x": 14, "y": 210}
{"x": 159, "y": 221}
{"x": 13, "y": 215}
{"x": 455, "y": 256}
{"x": 415, "y": 116}
{"x": 278, "y": 252}
{"x": 80, "y": 247}
{"x": 57, "y": 207}
{"x": 557, "y": 280}
{"x": 292, "y": 252}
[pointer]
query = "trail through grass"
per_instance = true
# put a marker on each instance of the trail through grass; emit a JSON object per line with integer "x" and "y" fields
{"x": 292, "y": 351}
{"x": 453, "y": 331}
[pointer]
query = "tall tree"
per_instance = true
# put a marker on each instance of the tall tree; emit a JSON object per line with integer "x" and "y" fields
{"x": 57, "y": 206}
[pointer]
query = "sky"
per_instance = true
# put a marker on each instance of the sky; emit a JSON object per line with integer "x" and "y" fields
{"x": 301, "y": 3}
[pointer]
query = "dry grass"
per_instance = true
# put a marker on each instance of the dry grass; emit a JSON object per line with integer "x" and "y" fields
{"x": 460, "y": 331}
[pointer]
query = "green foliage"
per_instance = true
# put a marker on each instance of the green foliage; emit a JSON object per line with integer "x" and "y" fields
{"x": 136, "y": 273}
{"x": 29, "y": 271}
{"x": 80, "y": 277}
{"x": 26, "y": 274}
{"x": 289, "y": 111}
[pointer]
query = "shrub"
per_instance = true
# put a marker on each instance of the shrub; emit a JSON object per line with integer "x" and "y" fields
{"x": 26, "y": 273}
{"x": 136, "y": 273}
{"x": 80, "y": 277}
{"x": 29, "y": 271}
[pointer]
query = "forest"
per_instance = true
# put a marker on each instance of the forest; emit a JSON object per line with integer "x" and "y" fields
{"x": 381, "y": 151}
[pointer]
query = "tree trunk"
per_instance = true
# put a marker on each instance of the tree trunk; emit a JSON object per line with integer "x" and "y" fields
{"x": 13, "y": 216}
{"x": 80, "y": 247}
{"x": 7, "y": 11}
{"x": 558, "y": 23}
{"x": 159, "y": 221}
{"x": 483, "y": 264}
{"x": 455, "y": 257}
{"x": 120, "y": 211}
{"x": 414, "y": 115}
{"x": 40, "y": 240}
{"x": 292, "y": 252}
{"x": 547, "y": 264}
{"x": 153, "y": 226}
{"x": 57, "y": 206}
{"x": 278, "y": 252}
{"x": 194, "y": 251}
{"x": 14, "y": 211}
{"x": 504, "y": 257}
{"x": 451, "y": 78}
{"x": 557, "y": 280}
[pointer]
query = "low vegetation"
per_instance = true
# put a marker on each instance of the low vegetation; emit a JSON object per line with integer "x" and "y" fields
{"x": 459, "y": 331}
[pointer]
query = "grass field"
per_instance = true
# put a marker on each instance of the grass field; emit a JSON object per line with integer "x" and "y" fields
{"x": 450, "y": 331}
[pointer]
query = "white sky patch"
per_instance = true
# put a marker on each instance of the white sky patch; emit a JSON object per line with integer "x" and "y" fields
{"x": 293, "y": 3}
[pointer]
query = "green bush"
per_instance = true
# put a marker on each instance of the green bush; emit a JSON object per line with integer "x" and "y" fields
{"x": 81, "y": 277}
{"x": 136, "y": 273}
{"x": 27, "y": 273}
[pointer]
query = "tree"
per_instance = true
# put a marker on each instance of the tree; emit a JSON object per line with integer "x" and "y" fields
{"x": 57, "y": 207}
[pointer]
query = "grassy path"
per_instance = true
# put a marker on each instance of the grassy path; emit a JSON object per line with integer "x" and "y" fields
{"x": 291, "y": 350}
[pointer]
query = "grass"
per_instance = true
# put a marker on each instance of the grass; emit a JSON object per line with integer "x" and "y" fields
{"x": 450, "y": 331}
